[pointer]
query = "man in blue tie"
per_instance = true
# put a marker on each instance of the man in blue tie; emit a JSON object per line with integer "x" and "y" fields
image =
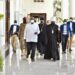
{"x": 14, "y": 29}
{"x": 70, "y": 24}
{"x": 64, "y": 35}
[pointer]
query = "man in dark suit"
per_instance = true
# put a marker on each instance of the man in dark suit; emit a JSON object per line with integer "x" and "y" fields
{"x": 64, "y": 35}
{"x": 14, "y": 29}
{"x": 70, "y": 24}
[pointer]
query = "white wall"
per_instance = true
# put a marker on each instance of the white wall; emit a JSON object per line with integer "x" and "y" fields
{"x": 16, "y": 11}
{"x": 32, "y": 7}
{"x": 20, "y": 8}
{"x": 2, "y": 23}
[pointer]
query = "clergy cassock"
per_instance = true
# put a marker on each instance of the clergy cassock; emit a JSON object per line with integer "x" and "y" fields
{"x": 40, "y": 44}
{"x": 52, "y": 40}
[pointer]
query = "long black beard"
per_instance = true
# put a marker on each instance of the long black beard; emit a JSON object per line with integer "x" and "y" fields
{"x": 52, "y": 24}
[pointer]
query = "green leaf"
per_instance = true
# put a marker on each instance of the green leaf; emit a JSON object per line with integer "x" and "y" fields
{"x": 1, "y": 16}
{"x": 1, "y": 62}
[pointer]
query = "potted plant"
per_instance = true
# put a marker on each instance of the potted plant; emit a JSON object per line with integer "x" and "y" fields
{"x": 1, "y": 62}
{"x": 1, "y": 16}
{"x": 1, "y": 57}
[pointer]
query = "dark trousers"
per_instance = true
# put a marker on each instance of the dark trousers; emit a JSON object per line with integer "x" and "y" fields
{"x": 31, "y": 47}
{"x": 64, "y": 42}
{"x": 40, "y": 47}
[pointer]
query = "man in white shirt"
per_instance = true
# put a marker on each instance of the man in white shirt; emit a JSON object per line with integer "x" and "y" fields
{"x": 31, "y": 37}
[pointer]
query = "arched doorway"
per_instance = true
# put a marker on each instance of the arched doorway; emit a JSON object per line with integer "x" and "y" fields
{"x": 38, "y": 16}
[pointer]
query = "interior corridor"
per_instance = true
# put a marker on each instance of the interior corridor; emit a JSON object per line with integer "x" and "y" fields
{"x": 65, "y": 66}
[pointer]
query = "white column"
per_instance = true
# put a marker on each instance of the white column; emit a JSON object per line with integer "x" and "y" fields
{"x": 20, "y": 11}
{"x": 72, "y": 8}
{"x": 12, "y": 9}
{"x": 16, "y": 11}
{"x": 65, "y": 9}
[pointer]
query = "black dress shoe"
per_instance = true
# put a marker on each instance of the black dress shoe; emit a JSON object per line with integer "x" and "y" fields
{"x": 58, "y": 58}
{"x": 27, "y": 56}
{"x": 54, "y": 59}
{"x": 32, "y": 60}
{"x": 70, "y": 50}
{"x": 64, "y": 52}
{"x": 14, "y": 51}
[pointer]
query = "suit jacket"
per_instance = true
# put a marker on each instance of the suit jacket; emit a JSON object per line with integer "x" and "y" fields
{"x": 62, "y": 29}
{"x": 12, "y": 28}
{"x": 73, "y": 27}
{"x": 68, "y": 23}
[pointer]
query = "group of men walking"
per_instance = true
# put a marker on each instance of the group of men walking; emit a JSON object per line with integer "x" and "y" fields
{"x": 42, "y": 37}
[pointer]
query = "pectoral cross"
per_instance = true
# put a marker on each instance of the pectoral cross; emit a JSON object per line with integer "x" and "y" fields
{"x": 52, "y": 31}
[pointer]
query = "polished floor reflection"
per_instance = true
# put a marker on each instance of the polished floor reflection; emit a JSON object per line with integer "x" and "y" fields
{"x": 66, "y": 66}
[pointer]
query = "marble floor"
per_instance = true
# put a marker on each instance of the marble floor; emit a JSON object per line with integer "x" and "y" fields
{"x": 65, "y": 66}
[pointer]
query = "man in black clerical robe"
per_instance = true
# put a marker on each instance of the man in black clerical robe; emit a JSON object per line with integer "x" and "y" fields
{"x": 40, "y": 44}
{"x": 52, "y": 42}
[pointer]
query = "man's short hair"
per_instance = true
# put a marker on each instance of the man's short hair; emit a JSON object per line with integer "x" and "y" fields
{"x": 24, "y": 19}
{"x": 71, "y": 18}
{"x": 32, "y": 18}
{"x": 41, "y": 18}
{"x": 15, "y": 21}
{"x": 65, "y": 20}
